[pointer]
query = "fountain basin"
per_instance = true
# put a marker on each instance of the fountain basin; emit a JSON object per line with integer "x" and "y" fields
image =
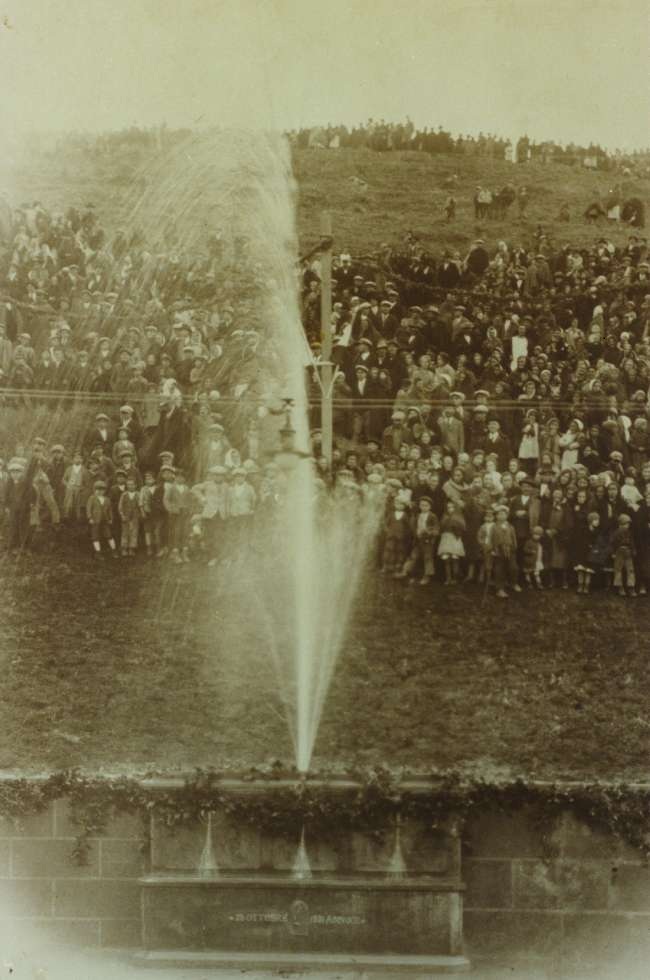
{"x": 326, "y": 919}
{"x": 348, "y": 903}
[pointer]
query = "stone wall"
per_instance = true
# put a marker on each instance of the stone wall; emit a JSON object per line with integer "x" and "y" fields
{"x": 96, "y": 905}
{"x": 574, "y": 894}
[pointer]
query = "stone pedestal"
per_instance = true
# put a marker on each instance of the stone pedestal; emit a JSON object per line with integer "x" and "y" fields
{"x": 277, "y": 914}
{"x": 348, "y": 913}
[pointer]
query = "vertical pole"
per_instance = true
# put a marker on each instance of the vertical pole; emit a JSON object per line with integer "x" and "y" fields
{"x": 326, "y": 340}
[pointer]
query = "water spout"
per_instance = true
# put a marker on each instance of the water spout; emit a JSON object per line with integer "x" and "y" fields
{"x": 301, "y": 866}
{"x": 397, "y": 866}
{"x": 208, "y": 867}
{"x": 313, "y": 545}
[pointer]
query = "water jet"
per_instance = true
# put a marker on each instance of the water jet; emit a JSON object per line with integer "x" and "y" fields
{"x": 266, "y": 903}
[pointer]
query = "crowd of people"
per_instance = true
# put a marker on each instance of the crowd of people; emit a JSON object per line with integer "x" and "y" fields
{"x": 495, "y": 403}
{"x": 384, "y": 136}
{"x": 502, "y": 399}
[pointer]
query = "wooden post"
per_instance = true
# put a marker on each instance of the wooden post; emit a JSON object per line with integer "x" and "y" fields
{"x": 326, "y": 340}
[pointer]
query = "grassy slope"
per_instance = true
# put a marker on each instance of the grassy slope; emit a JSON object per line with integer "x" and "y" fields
{"x": 405, "y": 192}
{"x": 130, "y": 667}
{"x": 125, "y": 666}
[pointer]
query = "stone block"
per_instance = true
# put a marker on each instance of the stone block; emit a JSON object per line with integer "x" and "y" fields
{"x": 178, "y": 848}
{"x": 122, "y": 827}
{"x": 279, "y": 854}
{"x": 34, "y": 825}
{"x": 121, "y": 858}
{"x": 71, "y": 932}
{"x": 298, "y": 917}
{"x": 578, "y": 840}
{"x": 26, "y": 898}
{"x": 493, "y": 834}
{"x": 236, "y": 846}
{"x": 488, "y": 883}
{"x": 52, "y": 858}
{"x": 560, "y": 885}
{"x": 371, "y": 854}
{"x": 509, "y": 935}
{"x": 605, "y": 937}
{"x": 121, "y": 933}
{"x": 583, "y": 885}
{"x": 424, "y": 850}
{"x": 5, "y": 858}
{"x": 535, "y": 885}
{"x": 97, "y": 899}
{"x": 630, "y": 888}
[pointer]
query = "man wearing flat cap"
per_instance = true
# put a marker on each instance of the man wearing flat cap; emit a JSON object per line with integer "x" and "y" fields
{"x": 102, "y": 432}
{"x": 20, "y": 496}
{"x": 524, "y": 513}
{"x": 385, "y": 321}
{"x": 129, "y": 421}
{"x": 389, "y": 358}
{"x": 395, "y": 434}
{"x": 363, "y": 390}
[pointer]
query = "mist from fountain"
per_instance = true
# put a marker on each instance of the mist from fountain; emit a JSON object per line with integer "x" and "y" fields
{"x": 306, "y": 572}
{"x": 397, "y": 865}
{"x": 301, "y": 866}
{"x": 208, "y": 867}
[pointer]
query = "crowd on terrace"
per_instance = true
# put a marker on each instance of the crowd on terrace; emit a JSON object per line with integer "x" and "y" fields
{"x": 496, "y": 401}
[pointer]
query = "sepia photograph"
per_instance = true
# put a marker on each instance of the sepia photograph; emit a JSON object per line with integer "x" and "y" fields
{"x": 324, "y": 489}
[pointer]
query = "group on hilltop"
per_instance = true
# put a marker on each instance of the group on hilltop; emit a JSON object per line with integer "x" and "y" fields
{"x": 384, "y": 136}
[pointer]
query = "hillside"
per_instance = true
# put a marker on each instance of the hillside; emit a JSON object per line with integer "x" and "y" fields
{"x": 133, "y": 666}
{"x": 405, "y": 191}
{"x": 139, "y": 665}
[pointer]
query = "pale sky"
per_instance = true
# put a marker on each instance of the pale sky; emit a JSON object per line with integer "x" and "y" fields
{"x": 561, "y": 69}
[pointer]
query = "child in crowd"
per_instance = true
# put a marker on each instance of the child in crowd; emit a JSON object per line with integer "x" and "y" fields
{"x": 557, "y": 530}
{"x": 533, "y": 554}
{"x": 122, "y": 444}
{"x": 129, "y": 510}
{"x": 397, "y": 537}
{"x": 473, "y": 517}
{"x": 451, "y": 548}
{"x": 100, "y": 518}
{"x": 178, "y": 504}
{"x": 145, "y": 501}
{"x": 505, "y": 553}
{"x": 597, "y": 552}
{"x": 115, "y": 495}
{"x": 425, "y": 530}
{"x": 76, "y": 482}
{"x": 241, "y": 507}
{"x": 159, "y": 509}
{"x": 486, "y": 545}
{"x": 622, "y": 545}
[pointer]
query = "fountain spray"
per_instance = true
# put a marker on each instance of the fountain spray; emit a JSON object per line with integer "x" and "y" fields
{"x": 208, "y": 867}
{"x": 397, "y": 865}
{"x": 301, "y": 866}
{"x": 240, "y": 185}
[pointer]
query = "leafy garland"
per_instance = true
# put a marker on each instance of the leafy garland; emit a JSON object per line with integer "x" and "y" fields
{"x": 326, "y": 809}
